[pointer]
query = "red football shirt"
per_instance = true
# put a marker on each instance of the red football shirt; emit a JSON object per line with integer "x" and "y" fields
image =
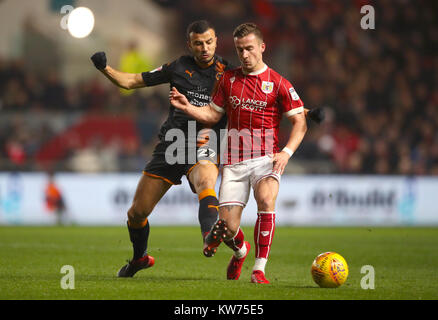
{"x": 254, "y": 104}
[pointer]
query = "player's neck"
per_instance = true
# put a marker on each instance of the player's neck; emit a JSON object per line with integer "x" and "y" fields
{"x": 204, "y": 65}
{"x": 255, "y": 71}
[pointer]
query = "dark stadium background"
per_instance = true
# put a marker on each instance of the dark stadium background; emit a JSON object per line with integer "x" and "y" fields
{"x": 363, "y": 183}
{"x": 378, "y": 88}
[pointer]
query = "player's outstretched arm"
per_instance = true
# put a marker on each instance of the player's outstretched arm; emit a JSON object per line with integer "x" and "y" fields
{"x": 121, "y": 79}
{"x": 206, "y": 115}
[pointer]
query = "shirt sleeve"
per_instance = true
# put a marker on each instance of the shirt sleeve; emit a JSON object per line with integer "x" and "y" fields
{"x": 218, "y": 96}
{"x": 158, "y": 76}
{"x": 290, "y": 101}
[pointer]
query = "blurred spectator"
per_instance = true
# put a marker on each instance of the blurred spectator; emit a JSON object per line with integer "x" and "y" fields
{"x": 86, "y": 160}
{"x": 54, "y": 199}
{"x": 133, "y": 61}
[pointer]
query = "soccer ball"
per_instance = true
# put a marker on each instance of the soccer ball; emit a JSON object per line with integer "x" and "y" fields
{"x": 329, "y": 270}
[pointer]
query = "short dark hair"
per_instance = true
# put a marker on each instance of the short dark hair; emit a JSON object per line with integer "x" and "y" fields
{"x": 199, "y": 26}
{"x": 247, "y": 28}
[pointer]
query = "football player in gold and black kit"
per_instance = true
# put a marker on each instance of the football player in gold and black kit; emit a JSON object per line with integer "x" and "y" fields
{"x": 195, "y": 76}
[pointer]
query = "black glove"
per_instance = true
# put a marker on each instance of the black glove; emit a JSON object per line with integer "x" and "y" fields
{"x": 99, "y": 60}
{"x": 316, "y": 115}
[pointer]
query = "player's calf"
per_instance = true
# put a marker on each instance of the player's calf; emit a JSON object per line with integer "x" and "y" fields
{"x": 208, "y": 210}
{"x": 263, "y": 235}
{"x": 236, "y": 242}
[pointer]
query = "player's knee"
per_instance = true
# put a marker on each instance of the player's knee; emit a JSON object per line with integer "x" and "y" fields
{"x": 205, "y": 176}
{"x": 138, "y": 214}
{"x": 204, "y": 183}
{"x": 266, "y": 203}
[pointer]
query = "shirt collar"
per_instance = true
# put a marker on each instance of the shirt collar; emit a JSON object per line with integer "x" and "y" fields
{"x": 255, "y": 73}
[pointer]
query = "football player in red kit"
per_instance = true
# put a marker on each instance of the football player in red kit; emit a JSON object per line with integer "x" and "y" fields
{"x": 254, "y": 97}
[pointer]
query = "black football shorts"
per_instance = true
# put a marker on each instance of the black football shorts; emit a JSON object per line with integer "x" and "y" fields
{"x": 159, "y": 167}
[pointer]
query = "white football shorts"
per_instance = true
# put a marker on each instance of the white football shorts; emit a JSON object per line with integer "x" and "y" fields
{"x": 238, "y": 178}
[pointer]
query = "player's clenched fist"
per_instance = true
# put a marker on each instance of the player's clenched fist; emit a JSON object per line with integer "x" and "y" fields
{"x": 177, "y": 99}
{"x": 316, "y": 115}
{"x": 99, "y": 60}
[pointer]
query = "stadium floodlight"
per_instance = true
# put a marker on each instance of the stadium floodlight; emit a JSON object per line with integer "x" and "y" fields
{"x": 80, "y": 22}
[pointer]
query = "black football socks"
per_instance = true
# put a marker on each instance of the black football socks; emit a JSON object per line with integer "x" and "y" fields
{"x": 208, "y": 210}
{"x": 139, "y": 238}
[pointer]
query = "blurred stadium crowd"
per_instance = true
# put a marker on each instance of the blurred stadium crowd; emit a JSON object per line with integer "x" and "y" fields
{"x": 378, "y": 88}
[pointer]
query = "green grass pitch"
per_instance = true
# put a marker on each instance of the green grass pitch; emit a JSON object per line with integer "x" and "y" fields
{"x": 404, "y": 261}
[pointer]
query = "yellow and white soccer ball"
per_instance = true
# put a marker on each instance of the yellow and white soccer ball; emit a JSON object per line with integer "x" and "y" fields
{"x": 329, "y": 270}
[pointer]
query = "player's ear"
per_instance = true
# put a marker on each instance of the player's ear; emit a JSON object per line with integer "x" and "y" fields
{"x": 263, "y": 47}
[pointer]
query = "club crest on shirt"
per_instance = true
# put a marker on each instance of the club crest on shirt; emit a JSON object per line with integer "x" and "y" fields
{"x": 294, "y": 94}
{"x": 267, "y": 87}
